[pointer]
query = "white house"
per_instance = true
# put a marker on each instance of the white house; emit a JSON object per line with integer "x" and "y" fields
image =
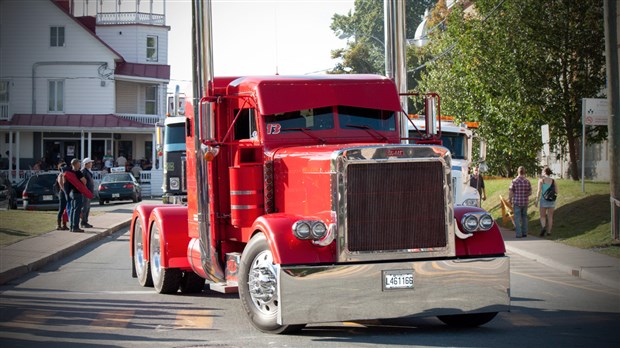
{"x": 80, "y": 79}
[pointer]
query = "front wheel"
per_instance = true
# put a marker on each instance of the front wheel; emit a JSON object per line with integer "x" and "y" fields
{"x": 467, "y": 320}
{"x": 258, "y": 287}
{"x": 165, "y": 280}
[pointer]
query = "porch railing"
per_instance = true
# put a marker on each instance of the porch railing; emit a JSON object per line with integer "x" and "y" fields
{"x": 115, "y": 18}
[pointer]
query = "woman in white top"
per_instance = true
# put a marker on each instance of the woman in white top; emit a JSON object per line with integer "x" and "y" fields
{"x": 546, "y": 207}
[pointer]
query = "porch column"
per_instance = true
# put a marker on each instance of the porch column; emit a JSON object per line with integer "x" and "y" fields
{"x": 11, "y": 177}
{"x": 81, "y": 145}
{"x": 154, "y": 151}
{"x": 18, "y": 152}
{"x": 90, "y": 145}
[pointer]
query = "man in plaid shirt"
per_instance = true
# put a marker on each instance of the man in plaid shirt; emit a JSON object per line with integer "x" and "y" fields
{"x": 520, "y": 191}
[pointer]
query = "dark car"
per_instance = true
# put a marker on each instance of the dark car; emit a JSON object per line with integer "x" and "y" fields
{"x": 39, "y": 192}
{"x": 6, "y": 193}
{"x": 119, "y": 187}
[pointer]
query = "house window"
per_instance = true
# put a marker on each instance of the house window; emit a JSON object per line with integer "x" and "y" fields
{"x": 4, "y": 99}
{"x": 151, "y": 48}
{"x": 150, "y": 100}
{"x": 57, "y": 36}
{"x": 56, "y": 92}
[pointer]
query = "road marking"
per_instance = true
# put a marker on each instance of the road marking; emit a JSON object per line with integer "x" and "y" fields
{"x": 113, "y": 319}
{"x": 29, "y": 319}
{"x": 193, "y": 319}
{"x": 604, "y": 291}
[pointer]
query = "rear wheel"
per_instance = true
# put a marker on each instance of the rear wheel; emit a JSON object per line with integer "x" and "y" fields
{"x": 141, "y": 265}
{"x": 134, "y": 198}
{"x": 165, "y": 280}
{"x": 258, "y": 287}
{"x": 467, "y": 320}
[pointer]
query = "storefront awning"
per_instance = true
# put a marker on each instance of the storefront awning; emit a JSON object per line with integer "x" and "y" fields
{"x": 75, "y": 123}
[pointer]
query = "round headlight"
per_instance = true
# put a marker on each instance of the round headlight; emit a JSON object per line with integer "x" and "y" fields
{"x": 301, "y": 229}
{"x": 318, "y": 230}
{"x": 471, "y": 202}
{"x": 175, "y": 183}
{"x": 486, "y": 222}
{"x": 470, "y": 223}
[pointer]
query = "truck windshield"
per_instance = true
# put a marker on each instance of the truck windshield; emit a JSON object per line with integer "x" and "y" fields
{"x": 307, "y": 119}
{"x": 455, "y": 143}
{"x": 174, "y": 139}
{"x": 361, "y": 118}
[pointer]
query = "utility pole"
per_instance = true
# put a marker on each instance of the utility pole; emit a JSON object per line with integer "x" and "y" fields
{"x": 612, "y": 30}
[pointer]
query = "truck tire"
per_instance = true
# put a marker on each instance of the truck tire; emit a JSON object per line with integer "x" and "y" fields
{"x": 258, "y": 288}
{"x": 165, "y": 280}
{"x": 192, "y": 283}
{"x": 141, "y": 265}
{"x": 467, "y": 320}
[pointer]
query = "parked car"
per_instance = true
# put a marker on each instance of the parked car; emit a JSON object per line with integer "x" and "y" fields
{"x": 39, "y": 192}
{"x": 17, "y": 200}
{"x": 6, "y": 193}
{"x": 119, "y": 187}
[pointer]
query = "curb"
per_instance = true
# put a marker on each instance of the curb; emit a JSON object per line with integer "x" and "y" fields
{"x": 21, "y": 270}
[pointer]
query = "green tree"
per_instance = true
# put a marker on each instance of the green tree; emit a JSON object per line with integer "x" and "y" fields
{"x": 515, "y": 66}
{"x": 363, "y": 28}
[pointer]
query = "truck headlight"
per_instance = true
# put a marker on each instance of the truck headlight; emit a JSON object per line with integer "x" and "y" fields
{"x": 309, "y": 229}
{"x": 175, "y": 183}
{"x": 478, "y": 221}
{"x": 471, "y": 202}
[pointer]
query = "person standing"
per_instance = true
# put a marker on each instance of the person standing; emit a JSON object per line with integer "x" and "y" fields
{"x": 87, "y": 165}
{"x": 108, "y": 161}
{"x": 121, "y": 161}
{"x": 520, "y": 191}
{"x": 546, "y": 207}
{"x": 62, "y": 197}
{"x": 74, "y": 196}
{"x": 476, "y": 181}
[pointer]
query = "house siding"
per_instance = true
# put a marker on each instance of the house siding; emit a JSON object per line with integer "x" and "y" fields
{"x": 130, "y": 41}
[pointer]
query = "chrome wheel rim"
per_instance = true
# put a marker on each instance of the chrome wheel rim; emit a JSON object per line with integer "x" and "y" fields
{"x": 138, "y": 249}
{"x": 263, "y": 284}
{"x": 155, "y": 255}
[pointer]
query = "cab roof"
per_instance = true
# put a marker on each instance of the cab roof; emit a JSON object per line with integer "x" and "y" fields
{"x": 277, "y": 94}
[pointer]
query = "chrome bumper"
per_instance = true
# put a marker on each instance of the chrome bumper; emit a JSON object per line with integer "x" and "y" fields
{"x": 314, "y": 294}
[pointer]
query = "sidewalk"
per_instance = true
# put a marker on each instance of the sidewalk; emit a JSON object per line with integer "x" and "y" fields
{"x": 31, "y": 254}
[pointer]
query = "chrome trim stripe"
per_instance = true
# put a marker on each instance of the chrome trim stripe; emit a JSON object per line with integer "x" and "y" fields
{"x": 315, "y": 294}
{"x": 241, "y": 193}
{"x": 244, "y": 207}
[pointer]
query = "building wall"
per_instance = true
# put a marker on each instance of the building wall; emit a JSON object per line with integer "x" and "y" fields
{"x": 26, "y": 55}
{"x": 130, "y": 41}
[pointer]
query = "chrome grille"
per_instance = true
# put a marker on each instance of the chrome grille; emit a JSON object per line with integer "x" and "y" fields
{"x": 395, "y": 206}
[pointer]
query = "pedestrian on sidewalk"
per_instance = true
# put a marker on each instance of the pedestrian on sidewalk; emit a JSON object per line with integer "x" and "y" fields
{"x": 74, "y": 196}
{"x": 87, "y": 165}
{"x": 520, "y": 191}
{"x": 62, "y": 197}
{"x": 476, "y": 181}
{"x": 546, "y": 207}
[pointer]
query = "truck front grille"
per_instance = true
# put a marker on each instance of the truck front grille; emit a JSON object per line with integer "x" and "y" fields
{"x": 395, "y": 206}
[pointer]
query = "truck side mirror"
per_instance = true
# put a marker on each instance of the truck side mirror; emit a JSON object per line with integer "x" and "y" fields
{"x": 483, "y": 151}
{"x": 430, "y": 109}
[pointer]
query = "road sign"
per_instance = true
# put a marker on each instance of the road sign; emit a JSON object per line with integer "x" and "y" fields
{"x": 596, "y": 112}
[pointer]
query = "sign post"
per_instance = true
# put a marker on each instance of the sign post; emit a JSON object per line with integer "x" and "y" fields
{"x": 594, "y": 112}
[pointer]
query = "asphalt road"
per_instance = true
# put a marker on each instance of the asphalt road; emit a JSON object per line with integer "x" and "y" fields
{"x": 89, "y": 299}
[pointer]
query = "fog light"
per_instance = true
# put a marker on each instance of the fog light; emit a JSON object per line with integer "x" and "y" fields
{"x": 301, "y": 230}
{"x": 318, "y": 230}
{"x": 486, "y": 222}
{"x": 470, "y": 222}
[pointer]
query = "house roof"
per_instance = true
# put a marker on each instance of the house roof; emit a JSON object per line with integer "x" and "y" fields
{"x": 74, "y": 122}
{"x": 155, "y": 71}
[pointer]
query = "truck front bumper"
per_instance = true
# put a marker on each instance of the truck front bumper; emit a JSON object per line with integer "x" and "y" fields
{"x": 314, "y": 294}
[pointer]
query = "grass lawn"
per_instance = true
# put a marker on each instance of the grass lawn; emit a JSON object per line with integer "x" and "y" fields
{"x": 16, "y": 225}
{"x": 580, "y": 219}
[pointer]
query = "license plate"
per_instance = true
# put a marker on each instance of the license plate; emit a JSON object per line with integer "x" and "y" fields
{"x": 48, "y": 198}
{"x": 115, "y": 195}
{"x": 398, "y": 279}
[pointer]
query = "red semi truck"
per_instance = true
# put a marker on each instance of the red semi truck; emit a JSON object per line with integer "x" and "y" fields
{"x": 303, "y": 197}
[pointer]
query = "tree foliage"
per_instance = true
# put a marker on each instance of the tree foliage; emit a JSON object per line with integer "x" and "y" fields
{"x": 511, "y": 65}
{"x": 516, "y": 65}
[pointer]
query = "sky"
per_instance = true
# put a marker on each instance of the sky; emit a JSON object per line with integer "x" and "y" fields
{"x": 257, "y": 37}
